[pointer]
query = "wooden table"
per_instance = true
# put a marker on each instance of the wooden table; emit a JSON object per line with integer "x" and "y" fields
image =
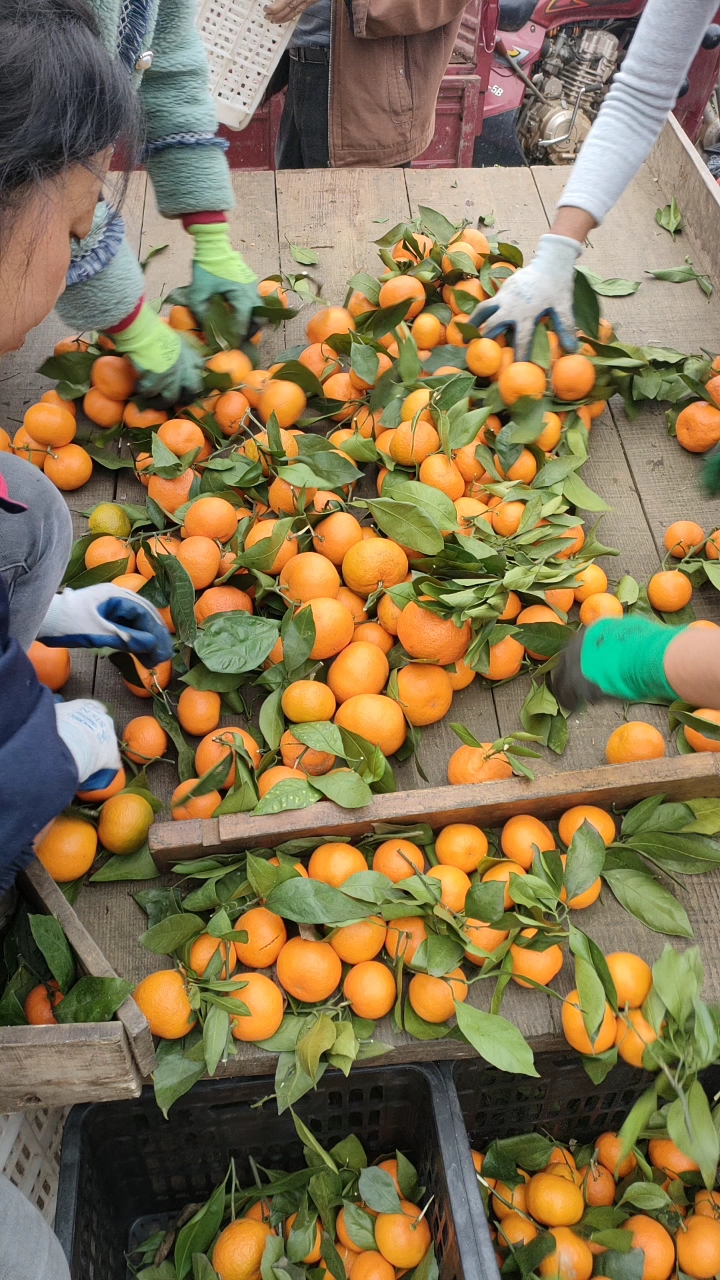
{"x": 636, "y": 467}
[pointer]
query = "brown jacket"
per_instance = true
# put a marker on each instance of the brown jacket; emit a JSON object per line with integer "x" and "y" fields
{"x": 385, "y": 73}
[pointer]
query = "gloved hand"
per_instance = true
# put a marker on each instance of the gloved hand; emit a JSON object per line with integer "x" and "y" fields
{"x": 89, "y": 735}
{"x": 167, "y": 366}
{"x": 106, "y": 615}
{"x": 615, "y": 658}
{"x": 544, "y": 288}
{"x": 219, "y": 269}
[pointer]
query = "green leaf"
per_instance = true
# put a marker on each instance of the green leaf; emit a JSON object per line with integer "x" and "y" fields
{"x": 645, "y": 1196}
{"x": 612, "y": 288}
{"x": 55, "y": 948}
{"x": 682, "y": 275}
{"x": 437, "y": 504}
{"x": 678, "y": 979}
{"x": 93, "y": 1000}
{"x": 132, "y": 866}
{"x": 529, "y": 1151}
{"x": 319, "y": 1037}
{"x": 585, "y": 861}
{"x": 637, "y": 1119}
{"x": 407, "y": 524}
{"x": 436, "y": 225}
{"x": 701, "y": 1142}
{"x": 306, "y": 257}
{"x": 350, "y": 1154}
{"x": 496, "y": 1040}
{"x": 215, "y": 1035}
{"x": 377, "y": 1190}
{"x": 345, "y": 788}
{"x": 627, "y": 590}
{"x": 670, "y": 218}
{"x": 578, "y": 493}
{"x": 271, "y": 719}
{"x": 288, "y": 794}
{"x": 528, "y": 1257}
{"x": 185, "y": 753}
{"x": 175, "y": 1072}
{"x": 546, "y": 638}
{"x": 623, "y": 1266}
{"x": 313, "y": 902}
{"x": 236, "y": 642}
{"x": 198, "y": 1234}
{"x": 359, "y": 1226}
{"x": 172, "y": 933}
{"x": 586, "y": 308}
{"x": 650, "y": 903}
{"x": 707, "y": 817}
{"x": 298, "y": 637}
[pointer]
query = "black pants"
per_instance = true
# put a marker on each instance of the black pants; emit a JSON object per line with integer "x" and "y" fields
{"x": 302, "y": 141}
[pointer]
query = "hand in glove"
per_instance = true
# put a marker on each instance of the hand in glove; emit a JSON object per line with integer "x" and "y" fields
{"x": 544, "y": 288}
{"x": 167, "y": 366}
{"x": 219, "y": 269}
{"x": 107, "y": 616}
{"x": 615, "y": 658}
{"x": 89, "y": 735}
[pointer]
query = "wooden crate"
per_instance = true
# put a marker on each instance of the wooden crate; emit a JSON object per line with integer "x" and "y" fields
{"x": 81, "y": 1062}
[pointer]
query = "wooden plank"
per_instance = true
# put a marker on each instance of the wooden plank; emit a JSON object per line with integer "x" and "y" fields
{"x": 679, "y": 171}
{"x": 59, "y": 1066}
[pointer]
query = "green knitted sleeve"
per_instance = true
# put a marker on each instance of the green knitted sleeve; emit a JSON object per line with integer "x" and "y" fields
{"x": 187, "y": 166}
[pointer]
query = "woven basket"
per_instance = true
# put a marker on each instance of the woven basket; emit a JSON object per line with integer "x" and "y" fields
{"x": 30, "y": 1154}
{"x": 243, "y": 50}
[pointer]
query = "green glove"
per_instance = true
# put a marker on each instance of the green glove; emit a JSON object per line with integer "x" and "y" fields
{"x": 615, "y": 658}
{"x": 167, "y": 366}
{"x": 219, "y": 269}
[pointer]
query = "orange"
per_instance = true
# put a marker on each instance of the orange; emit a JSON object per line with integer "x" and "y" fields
{"x": 539, "y": 966}
{"x": 370, "y": 1265}
{"x": 635, "y": 740}
{"x": 454, "y": 884}
{"x": 398, "y": 859}
{"x": 522, "y": 379}
{"x": 484, "y": 357}
{"x": 462, "y": 676}
{"x": 655, "y": 1242}
{"x": 402, "y": 253}
{"x": 573, "y": 818}
{"x": 375, "y": 717}
{"x": 114, "y": 376}
{"x": 598, "y": 1185}
{"x": 512, "y": 608}
{"x": 106, "y": 549}
{"x": 231, "y": 411}
{"x": 600, "y": 605}
{"x": 25, "y": 447}
{"x": 171, "y": 494}
{"x": 411, "y": 445}
{"x": 40, "y": 1002}
{"x": 266, "y": 936}
{"x": 551, "y": 433}
{"x": 202, "y": 951}
{"x": 335, "y": 535}
{"x": 591, "y": 581}
{"x": 125, "y": 820}
{"x": 697, "y": 740}
{"x": 327, "y": 322}
{"x": 69, "y": 467}
{"x": 217, "y": 745}
{"x": 239, "y": 1249}
{"x": 524, "y": 468}
{"x": 505, "y": 659}
{"x": 285, "y": 399}
{"x": 211, "y": 517}
{"x": 399, "y": 289}
{"x": 574, "y": 1027}
{"x": 707, "y": 1203}
{"x": 50, "y": 424}
{"x": 315, "y": 1254}
{"x": 182, "y": 318}
{"x": 632, "y": 1036}
{"x": 371, "y": 989}
{"x": 461, "y": 845}
{"x": 425, "y": 635}
{"x": 478, "y": 764}
{"x": 632, "y": 977}
{"x": 340, "y": 387}
{"x": 179, "y": 435}
{"x": 266, "y": 1004}
{"x": 235, "y": 363}
{"x": 555, "y": 1202}
{"x": 402, "y": 1238}
{"x": 52, "y": 666}
{"x": 278, "y": 773}
{"x": 571, "y": 1259}
{"x": 522, "y": 836}
{"x": 665, "y": 1155}
{"x": 308, "y": 576}
{"x": 257, "y": 448}
{"x": 320, "y": 359}
{"x": 372, "y": 563}
{"x": 433, "y": 999}
{"x": 288, "y": 549}
{"x": 69, "y": 344}
{"x": 334, "y": 863}
{"x": 118, "y": 784}
{"x": 159, "y": 546}
{"x": 427, "y": 330}
{"x": 68, "y": 848}
{"x": 506, "y": 1199}
{"x": 305, "y": 701}
{"x": 607, "y": 1148}
{"x": 334, "y": 626}
{"x": 163, "y": 999}
{"x": 309, "y": 971}
{"x": 198, "y": 711}
{"x": 576, "y": 540}
{"x": 441, "y": 473}
{"x": 698, "y": 1247}
{"x": 668, "y": 591}
{"x": 200, "y": 557}
{"x": 475, "y": 238}
{"x": 712, "y": 546}
{"x": 355, "y": 604}
{"x": 224, "y": 599}
{"x": 680, "y": 538}
{"x": 360, "y": 668}
{"x": 295, "y": 754}
{"x": 131, "y": 582}
{"x": 372, "y": 633}
{"x": 483, "y": 936}
{"x": 424, "y": 692}
{"x": 573, "y": 377}
{"x": 362, "y": 941}
{"x": 698, "y": 427}
{"x": 144, "y": 739}
{"x": 467, "y": 510}
{"x": 150, "y": 679}
{"x": 404, "y": 937}
{"x": 136, "y": 419}
{"x": 506, "y": 518}
{"x": 416, "y": 404}
{"x": 466, "y": 462}
{"x": 515, "y": 1229}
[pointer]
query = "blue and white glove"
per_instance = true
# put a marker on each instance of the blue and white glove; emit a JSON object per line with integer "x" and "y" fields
{"x": 544, "y": 288}
{"x": 89, "y": 735}
{"x": 107, "y": 616}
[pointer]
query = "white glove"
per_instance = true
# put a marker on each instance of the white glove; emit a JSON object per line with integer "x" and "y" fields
{"x": 544, "y": 288}
{"x": 89, "y": 735}
{"x": 106, "y": 615}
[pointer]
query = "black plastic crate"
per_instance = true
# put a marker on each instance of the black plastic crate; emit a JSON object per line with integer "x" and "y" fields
{"x": 122, "y": 1162}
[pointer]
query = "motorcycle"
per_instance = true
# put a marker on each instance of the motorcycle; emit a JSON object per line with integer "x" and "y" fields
{"x": 551, "y": 69}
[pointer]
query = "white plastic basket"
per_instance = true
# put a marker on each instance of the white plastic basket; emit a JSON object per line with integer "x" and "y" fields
{"x": 243, "y": 50}
{"x": 30, "y": 1154}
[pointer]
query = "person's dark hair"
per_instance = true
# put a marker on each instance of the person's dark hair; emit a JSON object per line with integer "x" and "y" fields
{"x": 63, "y": 97}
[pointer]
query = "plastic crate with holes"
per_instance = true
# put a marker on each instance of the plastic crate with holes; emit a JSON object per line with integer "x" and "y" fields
{"x": 126, "y": 1172}
{"x": 30, "y": 1154}
{"x": 243, "y": 50}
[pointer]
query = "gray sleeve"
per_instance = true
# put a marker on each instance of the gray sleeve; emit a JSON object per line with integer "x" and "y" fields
{"x": 28, "y": 1248}
{"x": 643, "y": 94}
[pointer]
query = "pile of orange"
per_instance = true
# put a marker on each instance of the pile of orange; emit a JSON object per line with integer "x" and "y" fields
{"x": 683, "y": 1237}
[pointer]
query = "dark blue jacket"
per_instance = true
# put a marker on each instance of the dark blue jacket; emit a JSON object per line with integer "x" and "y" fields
{"x": 38, "y": 776}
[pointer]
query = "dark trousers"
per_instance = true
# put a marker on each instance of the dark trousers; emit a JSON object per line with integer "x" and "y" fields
{"x": 302, "y": 141}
